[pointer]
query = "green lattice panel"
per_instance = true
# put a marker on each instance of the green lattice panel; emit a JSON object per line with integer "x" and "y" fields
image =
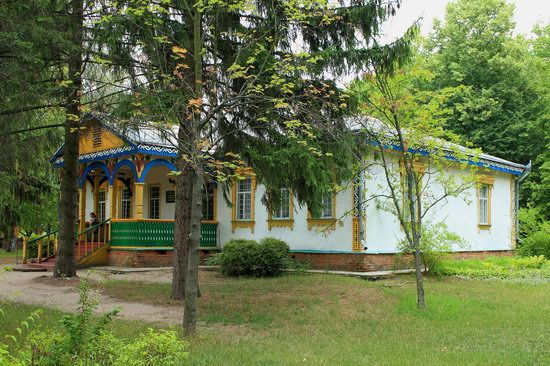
{"x": 155, "y": 234}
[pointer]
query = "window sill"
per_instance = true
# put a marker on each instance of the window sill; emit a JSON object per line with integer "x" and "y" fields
{"x": 242, "y": 225}
{"x": 280, "y": 223}
{"x": 324, "y": 223}
{"x": 484, "y": 226}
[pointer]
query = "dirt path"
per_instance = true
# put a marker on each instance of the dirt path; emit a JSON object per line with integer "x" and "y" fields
{"x": 39, "y": 289}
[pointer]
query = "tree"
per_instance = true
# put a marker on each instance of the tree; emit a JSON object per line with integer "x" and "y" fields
{"x": 502, "y": 107}
{"x": 404, "y": 126}
{"x": 247, "y": 83}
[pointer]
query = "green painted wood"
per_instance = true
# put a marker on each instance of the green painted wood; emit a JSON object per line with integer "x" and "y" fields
{"x": 153, "y": 234}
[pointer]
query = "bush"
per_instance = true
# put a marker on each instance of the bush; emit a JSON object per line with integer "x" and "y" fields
{"x": 538, "y": 243}
{"x": 436, "y": 241}
{"x": 84, "y": 341}
{"x": 533, "y": 269}
{"x": 242, "y": 257}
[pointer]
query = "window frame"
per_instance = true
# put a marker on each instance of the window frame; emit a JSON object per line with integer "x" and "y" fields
{"x": 274, "y": 221}
{"x": 102, "y": 205}
{"x": 150, "y": 201}
{"x": 235, "y": 221}
{"x": 325, "y": 222}
{"x": 123, "y": 201}
{"x": 214, "y": 204}
{"x": 484, "y": 181}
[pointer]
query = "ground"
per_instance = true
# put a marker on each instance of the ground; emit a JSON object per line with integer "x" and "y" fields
{"x": 319, "y": 319}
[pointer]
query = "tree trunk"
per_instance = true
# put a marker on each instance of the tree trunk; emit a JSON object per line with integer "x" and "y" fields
{"x": 64, "y": 265}
{"x": 192, "y": 283}
{"x": 420, "y": 301}
{"x": 182, "y": 220}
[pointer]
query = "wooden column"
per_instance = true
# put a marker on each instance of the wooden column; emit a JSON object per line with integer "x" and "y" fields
{"x": 112, "y": 200}
{"x": 138, "y": 200}
{"x": 96, "y": 194}
{"x": 82, "y": 207}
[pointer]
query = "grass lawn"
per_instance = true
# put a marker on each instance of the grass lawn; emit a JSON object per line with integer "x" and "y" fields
{"x": 331, "y": 320}
{"x": 6, "y": 254}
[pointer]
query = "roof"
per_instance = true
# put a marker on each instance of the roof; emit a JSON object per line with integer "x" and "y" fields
{"x": 161, "y": 140}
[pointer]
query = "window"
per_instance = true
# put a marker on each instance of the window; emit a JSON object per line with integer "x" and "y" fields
{"x": 125, "y": 203}
{"x": 208, "y": 203}
{"x": 327, "y": 209}
{"x": 154, "y": 202}
{"x": 484, "y": 204}
{"x": 327, "y": 215}
{"x": 281, "y": 211}
{"x": 244, "y": 199}
{"x": 101, "y": 204}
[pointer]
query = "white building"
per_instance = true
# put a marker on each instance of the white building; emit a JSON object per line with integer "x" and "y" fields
{"x": 125, "y": 178}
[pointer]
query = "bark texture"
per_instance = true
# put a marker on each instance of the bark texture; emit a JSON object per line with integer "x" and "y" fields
{"x": 65, "y": 265}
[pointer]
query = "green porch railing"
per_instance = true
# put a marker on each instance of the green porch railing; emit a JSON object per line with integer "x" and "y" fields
{"x": 135, "y": 233}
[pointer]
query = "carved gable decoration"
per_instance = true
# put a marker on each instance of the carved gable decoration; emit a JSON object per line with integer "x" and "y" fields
{"x": 95, "y": 138}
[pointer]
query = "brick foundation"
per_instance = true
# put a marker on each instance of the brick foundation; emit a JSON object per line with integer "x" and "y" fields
{"x": 148, "y": 258}
{"x": 362, "y": 262}
{"x": 355, "y": 262}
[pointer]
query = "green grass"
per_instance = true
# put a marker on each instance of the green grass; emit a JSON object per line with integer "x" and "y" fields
{"x": 331, "y": 320}
{"x": 6, "y": 254}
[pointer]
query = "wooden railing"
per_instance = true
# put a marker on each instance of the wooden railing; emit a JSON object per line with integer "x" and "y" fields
{"x": 40, "y": 248}
{"x": 45, "y": 246}
{"x": 91, "y": 239}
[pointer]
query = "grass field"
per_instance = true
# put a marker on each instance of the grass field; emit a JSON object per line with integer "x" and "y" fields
{"x": 330, "y": 320}
{"x": 6, "y": 254}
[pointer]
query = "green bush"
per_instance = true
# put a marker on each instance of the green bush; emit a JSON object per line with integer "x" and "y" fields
{"x": 534, "y": 232}
{"x": 84, "y": 341}
{"x": 535, "y": 268}
{"x": 242, "y": 257}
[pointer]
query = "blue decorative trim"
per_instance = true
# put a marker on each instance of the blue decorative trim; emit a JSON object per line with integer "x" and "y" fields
{"x": 483, "y": 163}
{"x": 127, "y": 163}
{"x": 92, "y": 166}
{"x": 157, "y": 150}
{"x": 153, "y": 163}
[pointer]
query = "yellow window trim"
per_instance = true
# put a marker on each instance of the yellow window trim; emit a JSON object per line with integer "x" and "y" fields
{"x": 356, "y": 245}
{"x": 289, "y": 223}
{"x": 243, "y": 224}
{"x": 487, "y": 181}
{"x": 329, "y": 222}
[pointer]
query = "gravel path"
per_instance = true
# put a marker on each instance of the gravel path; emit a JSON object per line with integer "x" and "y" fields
{"x": 38, "y": 288}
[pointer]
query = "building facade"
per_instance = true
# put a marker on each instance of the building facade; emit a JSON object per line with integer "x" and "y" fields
{"x": 125, "y": 177}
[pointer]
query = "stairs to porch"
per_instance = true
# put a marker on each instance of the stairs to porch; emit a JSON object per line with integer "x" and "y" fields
{"x": 90, "y": 249}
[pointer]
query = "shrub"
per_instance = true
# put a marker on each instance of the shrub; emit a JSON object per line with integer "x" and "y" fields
{"x": 84, "y": 341}
{"x": 534, "y": 269}
{"x": 242, "y": 257}
{"x": 214, "y": 260}
{"x": 436, "y": 241}
{"x": 537, "y": 243}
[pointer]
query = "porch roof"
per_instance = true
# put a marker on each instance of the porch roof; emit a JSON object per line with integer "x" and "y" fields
{"x": 139, "y": 139}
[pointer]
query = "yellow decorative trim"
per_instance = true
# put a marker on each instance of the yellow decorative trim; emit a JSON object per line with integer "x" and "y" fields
{"x": 242, "y": 225}
{"x": 138, "y": 200}
{"x": 356, "y": 234}
{"x": 280, "y": 223}
{"x": 236, "y": 224}
{"x": 486, "y": 179}
{"x": 483, "y": 179}
{"x": 324, "y": 223}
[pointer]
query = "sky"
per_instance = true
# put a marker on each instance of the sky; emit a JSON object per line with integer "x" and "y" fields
{"x": 526, "y": 15}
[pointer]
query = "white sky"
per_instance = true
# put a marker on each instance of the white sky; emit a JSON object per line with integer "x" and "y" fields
{"x": 526, "y": 15}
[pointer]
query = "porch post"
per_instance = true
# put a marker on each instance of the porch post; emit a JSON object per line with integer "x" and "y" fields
{"x": 82, "y": 205}
{"x": 112, "y": 200}
{"x": 96, "y": 194}
{"x": 138, "y": 200}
